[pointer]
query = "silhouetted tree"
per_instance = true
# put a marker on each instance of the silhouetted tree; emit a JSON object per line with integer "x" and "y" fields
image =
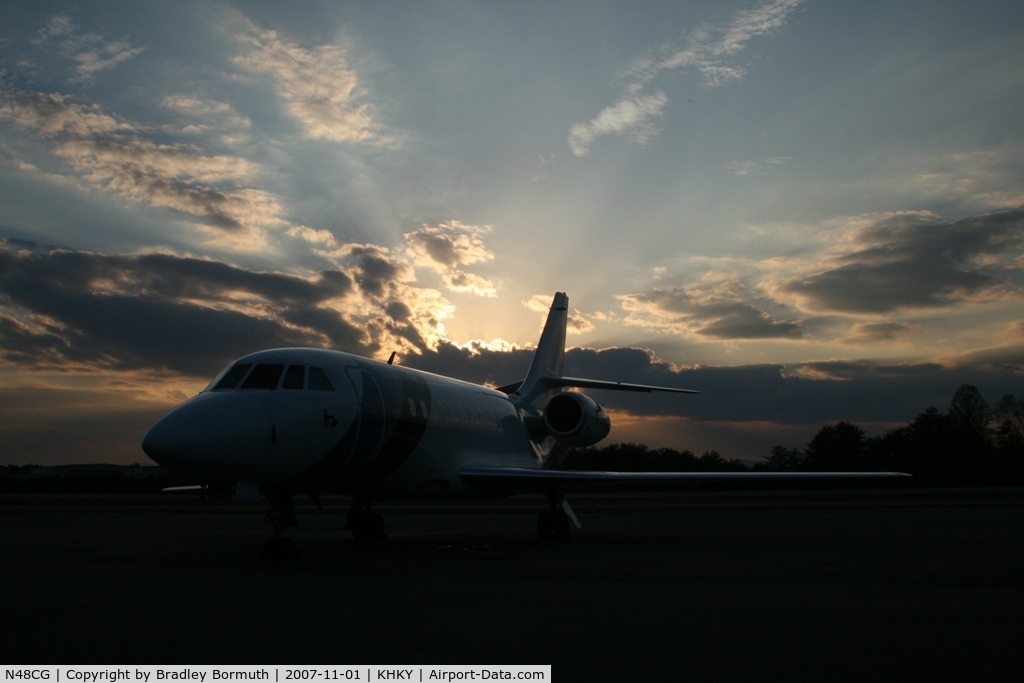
{"x": 881, "y": 453}
{"x": 927, "y": 454}
{"x": 970, "y": 439}
{"x": 783, "y": 459}
{"x": 1009, "y": 438}
{"x": 968, "y": 411}
{"x": 1009, "y": 423}
{"x": 971, "y": 445}
{"x": 712, "y": 461}
{"x": 836, "y": 448}
{"x": 633, "y": 457}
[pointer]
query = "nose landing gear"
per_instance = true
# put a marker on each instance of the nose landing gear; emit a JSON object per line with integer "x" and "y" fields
{"x": 281, "y": 516}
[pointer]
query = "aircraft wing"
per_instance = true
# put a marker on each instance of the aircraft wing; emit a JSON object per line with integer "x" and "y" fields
{"x": 528, "y": 480}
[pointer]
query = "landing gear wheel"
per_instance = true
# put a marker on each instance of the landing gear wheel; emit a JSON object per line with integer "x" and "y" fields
{"x": 278, "y": 548}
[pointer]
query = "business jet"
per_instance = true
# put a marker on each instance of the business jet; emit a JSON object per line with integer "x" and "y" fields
{"x": 298, "y": 420}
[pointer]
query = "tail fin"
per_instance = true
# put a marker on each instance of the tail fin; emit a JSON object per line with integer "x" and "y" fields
{"x": 545, "y": 374}
{"x": 550, "y": 354}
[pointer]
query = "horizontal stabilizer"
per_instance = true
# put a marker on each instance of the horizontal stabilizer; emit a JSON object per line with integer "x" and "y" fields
{"x": 525, "y": 480}
{"x": 615, "y": 386}
{"x": 552, "y": 382}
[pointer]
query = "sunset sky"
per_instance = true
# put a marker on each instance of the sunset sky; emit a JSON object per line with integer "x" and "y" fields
{"x": 808, "y": 211}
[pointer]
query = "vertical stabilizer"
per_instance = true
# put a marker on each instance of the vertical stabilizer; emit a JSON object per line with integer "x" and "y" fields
{"x": 550, "y": 354}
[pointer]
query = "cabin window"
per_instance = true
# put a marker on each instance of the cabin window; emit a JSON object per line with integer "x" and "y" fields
{"x": 263, "y": 376}
{"x": 293, "y": 378}
{"x": 318, "y": 380}
{"x": 233, "y": 376}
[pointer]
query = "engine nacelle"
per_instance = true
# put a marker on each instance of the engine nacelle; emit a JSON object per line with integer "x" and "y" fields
{"x": 576, "y": 419}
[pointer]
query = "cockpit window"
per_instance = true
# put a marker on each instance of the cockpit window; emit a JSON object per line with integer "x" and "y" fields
{"x": 263, "y": 376}
{"x": 293, "y": 378}
{"x": 318, "y": 380}
{"x": 233, "y": 376}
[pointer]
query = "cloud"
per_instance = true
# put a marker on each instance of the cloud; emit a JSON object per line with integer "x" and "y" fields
{"x": 58, "y": 25}
{"x": 984, "y": 179}
{"x": 810, "y": 394}
{"x": 317, "y": 84}
{"x": 78, "y": 310}
{"x": 873, "y": 333}
{"x": 576, "y": 322}
{"x": 446, "y": 248}
{"x": 52, "y": 114}
{"x": 539, "y": 303}
{"x": 108, "y": 152}
{"x": 90, "y": 53}
{"x": 711, "y": 50}
{"x": 715, "y": 311}
{"x": 745, "y": 168}
{"x": 633, "y": 116}
{"x": 323, "y": 239}
{"x": 123, "y": 318}
{"x": 1005, "y": 353}
{"x": 206, "y": 117}
{"x": 908, "y": 262}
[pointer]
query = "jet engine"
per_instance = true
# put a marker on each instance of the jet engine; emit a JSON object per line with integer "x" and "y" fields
{"x": 576, "y": 419}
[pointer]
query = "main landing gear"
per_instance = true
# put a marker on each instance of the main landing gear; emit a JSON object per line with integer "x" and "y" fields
{"x": 364, "y": 524}
{"x": 558, "y": 521}
{"x": 281, "y": 516}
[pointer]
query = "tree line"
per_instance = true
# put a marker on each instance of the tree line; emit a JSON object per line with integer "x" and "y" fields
{"x": 971, "y": 444}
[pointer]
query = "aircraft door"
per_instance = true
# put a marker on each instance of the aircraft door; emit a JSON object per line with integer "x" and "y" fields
{"x": 371, "y": 427}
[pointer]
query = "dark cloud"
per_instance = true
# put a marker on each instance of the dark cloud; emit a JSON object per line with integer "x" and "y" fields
{"x": 110, "y": 152}
{"x": 70, "y": 308}
{"x": 477, "y": 365}
{"x": 809, "y": 394}
{"x": 24, "y": 346}
{"x": 743, "y": 321}
{"x": 374, "y": 270}
{"x": 906, "y": 262}
{"x": 446, "y": 248}
{"x": 717, "y": 314}
{"x": 870, "y": 333}
{"x": 438, "y": 247}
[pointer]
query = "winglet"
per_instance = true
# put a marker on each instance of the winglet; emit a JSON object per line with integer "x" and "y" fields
{"x": 550, "y": 354}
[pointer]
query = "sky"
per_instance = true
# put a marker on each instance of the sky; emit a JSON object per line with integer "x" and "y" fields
{"x": 808, "y": 211}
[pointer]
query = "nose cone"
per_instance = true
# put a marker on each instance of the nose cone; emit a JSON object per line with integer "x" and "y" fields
{"x": 214, "y": 437}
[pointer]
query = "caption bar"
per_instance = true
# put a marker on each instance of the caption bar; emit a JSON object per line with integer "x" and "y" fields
{"x": 277, "y": 674}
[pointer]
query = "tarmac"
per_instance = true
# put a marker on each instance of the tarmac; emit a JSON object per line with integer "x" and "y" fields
{"x": 801, "y": 586}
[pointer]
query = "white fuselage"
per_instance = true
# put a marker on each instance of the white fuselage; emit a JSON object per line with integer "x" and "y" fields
{"x": 313, "y": 419}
